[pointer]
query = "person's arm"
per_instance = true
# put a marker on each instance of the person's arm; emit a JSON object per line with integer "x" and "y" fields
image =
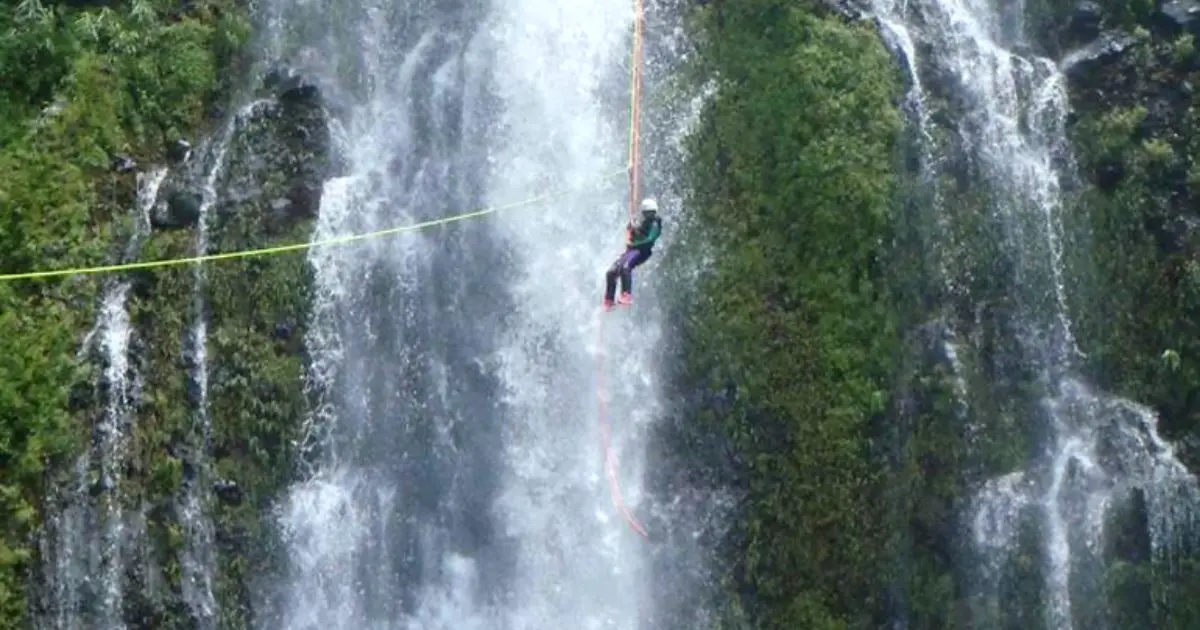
{"x": 651, "y": 236}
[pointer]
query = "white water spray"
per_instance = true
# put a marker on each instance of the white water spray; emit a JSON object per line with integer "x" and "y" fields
{"x": 364, "y": 551}
{"x": 578, "y": 563}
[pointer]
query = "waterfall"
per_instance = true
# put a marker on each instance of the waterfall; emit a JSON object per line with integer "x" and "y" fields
{"x": 198, "y": 559}
{"x": 576, "y": 562}
{"x": 457, "y": 475}
{"x": 86, "y": 543}
{"x": 1009, "y": 110}
{"x": 393, "y": 527}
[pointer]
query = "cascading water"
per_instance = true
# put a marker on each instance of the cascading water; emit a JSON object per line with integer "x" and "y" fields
{"x": 198, "y": 560}
{"x": 577, "y": 564}
{"x": 86, "y": 544}
{"x": 458, "y": 475}
{"x": 1011, "y": 111}
{"x": 393, "y": 528}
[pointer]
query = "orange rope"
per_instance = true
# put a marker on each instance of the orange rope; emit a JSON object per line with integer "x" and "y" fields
{"x": 635, "y": 120}
{"x": 635, "y": 157}
{"x": 610, "y": 457}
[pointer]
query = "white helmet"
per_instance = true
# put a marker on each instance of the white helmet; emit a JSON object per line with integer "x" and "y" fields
{"x": 649, "y": 204}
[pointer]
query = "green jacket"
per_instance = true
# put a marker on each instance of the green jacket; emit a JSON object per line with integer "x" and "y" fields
{"x": 645, "y": 234}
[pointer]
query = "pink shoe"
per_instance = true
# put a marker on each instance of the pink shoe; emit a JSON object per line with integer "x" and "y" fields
{"x": 608, "y": 304}
{"x": 626, "y": 299}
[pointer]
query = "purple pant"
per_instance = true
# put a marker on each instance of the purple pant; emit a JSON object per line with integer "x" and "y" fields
{"x": 623, "y": 269}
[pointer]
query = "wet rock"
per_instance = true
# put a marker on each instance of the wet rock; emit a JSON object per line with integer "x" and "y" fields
{"x": 228, "y": 492}
{"x": 179, "y": 151}
{"x": 278, "y": 161}
{"x": 278, "y": 143}
{"x": 123, "y": 164}
{"x": 1176, "y": 16}
{"x": 181, "y": 211}
{"x": 288, "y": 85}
{"x": 1084, "y": 23}
{"x": 1086, "y": 64}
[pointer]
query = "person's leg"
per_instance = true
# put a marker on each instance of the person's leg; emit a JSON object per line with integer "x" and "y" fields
{"x": 631, "y": 263}
{"x": 636, "y": 258}
{"x": 610, "y": 278}
{"x": 642, "y": 257}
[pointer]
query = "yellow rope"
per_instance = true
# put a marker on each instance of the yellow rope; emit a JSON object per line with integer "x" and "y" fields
{"x": 283, "y": 249}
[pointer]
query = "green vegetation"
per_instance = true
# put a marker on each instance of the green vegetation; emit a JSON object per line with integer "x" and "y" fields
{"x": 76, "y": 87}
{"x": 855, "y": 456}
{"x": 792, "y": 189}
{"x": 1137, "y": 145}
{"x": 813, "y": 315}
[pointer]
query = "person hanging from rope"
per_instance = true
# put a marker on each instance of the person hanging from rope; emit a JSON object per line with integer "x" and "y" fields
{"x": 639, "y": 242}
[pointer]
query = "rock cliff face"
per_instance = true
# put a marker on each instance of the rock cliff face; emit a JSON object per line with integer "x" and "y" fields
{"x": 1133, "y": 76}
{"x": 840, "y": 490}
{"x": 963, "y": 409}
{"x": 209, "y": 447}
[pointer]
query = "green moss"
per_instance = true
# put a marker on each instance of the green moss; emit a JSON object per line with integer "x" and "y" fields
{"x": 792, "y": 183}
{"x": 257, "y": 395}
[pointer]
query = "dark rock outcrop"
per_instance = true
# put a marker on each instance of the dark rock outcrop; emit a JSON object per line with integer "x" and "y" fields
{"x": 123, "y": 164}
{"x": 275, "y": 160}
{"x": 1178, "y": 16}
{"x": 1084, "y": 24}
{"x": 228, "y": 491}
{"x": 180, "y": 210}
{"x": 1085, "y": 64}
{"x": 280, "y": 156}
{"x": 289, "y": 86}
{"x": 179, "y": 151}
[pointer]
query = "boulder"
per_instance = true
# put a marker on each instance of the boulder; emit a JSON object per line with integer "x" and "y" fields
{"x": 181, "y": 211}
